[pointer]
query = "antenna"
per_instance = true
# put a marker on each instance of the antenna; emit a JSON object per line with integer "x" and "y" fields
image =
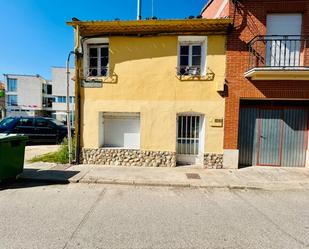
{"x": 139, "y": 10}
{"x": 151, "y": 8}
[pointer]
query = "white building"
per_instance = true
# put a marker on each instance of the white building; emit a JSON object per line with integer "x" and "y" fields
{"x": 59, "y": 82}
{"x": 27, "y": 95}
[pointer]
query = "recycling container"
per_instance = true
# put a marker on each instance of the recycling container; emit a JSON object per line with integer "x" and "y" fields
{"x": 12, "y": 153}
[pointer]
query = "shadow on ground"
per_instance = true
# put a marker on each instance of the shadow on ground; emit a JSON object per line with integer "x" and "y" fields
{"x": 34, "y": 178}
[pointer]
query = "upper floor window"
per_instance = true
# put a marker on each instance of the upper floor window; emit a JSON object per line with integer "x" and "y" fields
{"x": 190, "y": 59}
{"x": 283, "y": 40}
{"x": 97, "y": 60}
{"x": 192, "y": 56}
{"x": 47, "y": 89}
{"x": 12, "y": 85}
{"x": 12, "y": 100}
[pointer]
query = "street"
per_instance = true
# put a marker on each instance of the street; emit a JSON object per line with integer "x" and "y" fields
{"x": 114, "y": 216}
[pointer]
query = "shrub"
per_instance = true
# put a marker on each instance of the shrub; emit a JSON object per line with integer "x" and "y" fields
{"x": 60, "y": 156}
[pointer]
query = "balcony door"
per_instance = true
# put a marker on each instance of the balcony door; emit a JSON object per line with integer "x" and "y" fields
{"x": 283, "y": 40}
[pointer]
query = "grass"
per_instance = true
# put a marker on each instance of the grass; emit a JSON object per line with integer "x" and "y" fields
{"x": 60, "y": 156}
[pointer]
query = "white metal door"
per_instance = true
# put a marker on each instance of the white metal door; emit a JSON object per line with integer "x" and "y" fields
{"x": 283, "y": 43}
{"x": 188, "y": 139}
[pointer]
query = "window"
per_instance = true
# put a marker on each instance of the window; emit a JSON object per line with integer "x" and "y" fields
{"x": 25, "y": 122}
{"x": 97, "y": 60}
{"x": 283, "y": 41}
{"x": 47, "y": 89}
{"x": 72, "y": 99}
{"x": 47, "y": 102}
{"x": 121, "y": 130}
{"x": 61, "y": 99}
{"x": 12, "y": 100}
{"x": 12, "y": 85}
{"x": 41, "y": 122}
{"x": 6, "y": 122}
{"x": 190, "y": 59}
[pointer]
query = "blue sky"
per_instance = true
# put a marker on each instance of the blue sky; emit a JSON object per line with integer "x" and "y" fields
{"x": 34, "y": 36}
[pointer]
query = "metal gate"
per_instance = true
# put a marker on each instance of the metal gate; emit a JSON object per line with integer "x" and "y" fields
{"x": 188, "y": 135}
{"x": 274, "y": 137}
{"x": 188, "y": 138}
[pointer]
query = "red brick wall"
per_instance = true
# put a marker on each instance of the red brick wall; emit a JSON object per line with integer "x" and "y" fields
{"x": 213, "y": 7}
{"x": 251, "y": 21}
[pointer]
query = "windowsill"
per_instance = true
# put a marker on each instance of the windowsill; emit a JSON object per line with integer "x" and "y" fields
{"x": 111, "y": 78}
{"x": 207, "y": 77}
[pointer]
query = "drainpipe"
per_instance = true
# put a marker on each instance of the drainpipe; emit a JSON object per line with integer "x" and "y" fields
{"x": 68, "y": 109}
{"x": 77, "y": 95}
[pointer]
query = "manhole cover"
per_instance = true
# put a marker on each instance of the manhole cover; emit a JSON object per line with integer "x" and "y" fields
{"x": 193, "y": 176}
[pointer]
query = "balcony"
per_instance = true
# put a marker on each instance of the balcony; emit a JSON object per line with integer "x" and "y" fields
{"x": 278, "y": 57}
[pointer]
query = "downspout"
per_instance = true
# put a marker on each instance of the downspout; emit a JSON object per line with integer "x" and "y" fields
{"x": 77, "y": 95}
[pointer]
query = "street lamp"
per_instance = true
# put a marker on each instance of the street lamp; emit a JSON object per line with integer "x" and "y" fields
{"x": 68, "y": 109}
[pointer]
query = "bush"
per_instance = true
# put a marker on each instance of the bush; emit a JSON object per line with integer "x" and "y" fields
{"x": 60, "y": 156}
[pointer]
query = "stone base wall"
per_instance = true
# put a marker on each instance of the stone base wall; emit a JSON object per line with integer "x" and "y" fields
{"x": 213, "y": 161}
{"x": 128, "y": 157}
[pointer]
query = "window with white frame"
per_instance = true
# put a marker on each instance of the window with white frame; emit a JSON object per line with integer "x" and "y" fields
{"x": 190, "y": 59}
{"x": 192, "y": 55}
{"x": 97, "y": 60}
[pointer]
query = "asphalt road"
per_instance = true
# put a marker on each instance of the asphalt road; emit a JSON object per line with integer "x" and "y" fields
{"x": 101, "y": 216}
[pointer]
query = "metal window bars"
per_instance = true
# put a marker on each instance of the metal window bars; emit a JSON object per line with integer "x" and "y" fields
{"x": 97, "y": 71}
{"x": 189, "y": 71}
{"x": 281, "y": 51}
{"x": 188, "y": 134}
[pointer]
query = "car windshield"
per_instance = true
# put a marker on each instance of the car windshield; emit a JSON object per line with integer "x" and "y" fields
{"x": 56, "y": 122}
{"x": 6, "y": 122}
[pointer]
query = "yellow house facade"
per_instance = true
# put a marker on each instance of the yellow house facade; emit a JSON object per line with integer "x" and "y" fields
{"x": 150, "y": 93}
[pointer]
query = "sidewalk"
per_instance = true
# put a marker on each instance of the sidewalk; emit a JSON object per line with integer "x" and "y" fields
{"x": 267, "y": 178}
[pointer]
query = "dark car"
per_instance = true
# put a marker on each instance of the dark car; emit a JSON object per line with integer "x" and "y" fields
{"x": 38, "y": 129}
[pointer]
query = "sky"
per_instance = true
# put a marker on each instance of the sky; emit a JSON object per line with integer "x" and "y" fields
{"x": 34, "y": 35}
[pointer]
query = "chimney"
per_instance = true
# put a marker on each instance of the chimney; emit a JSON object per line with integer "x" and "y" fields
{"x": 139, "y": 9}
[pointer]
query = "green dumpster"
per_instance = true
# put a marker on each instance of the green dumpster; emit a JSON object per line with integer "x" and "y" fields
{"x": 12, "y": 153}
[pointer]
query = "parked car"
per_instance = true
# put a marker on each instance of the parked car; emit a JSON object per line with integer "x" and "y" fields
{"x": 39, "y": 130}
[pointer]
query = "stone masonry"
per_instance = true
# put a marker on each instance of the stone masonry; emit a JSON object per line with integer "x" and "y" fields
{"x": 213, "y": 161}
{"x": 129, "y": 157}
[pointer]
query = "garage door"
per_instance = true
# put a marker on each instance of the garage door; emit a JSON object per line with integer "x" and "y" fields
{"x": 121, "y": 130}
{"x": 274, "y": 137}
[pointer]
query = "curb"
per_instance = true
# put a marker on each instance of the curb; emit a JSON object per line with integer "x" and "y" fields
{"x": 159, "y": 184}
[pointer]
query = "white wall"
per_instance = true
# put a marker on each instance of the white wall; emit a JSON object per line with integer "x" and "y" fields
{"x": 59, "y": 81}
{"x": 29, "y": 93}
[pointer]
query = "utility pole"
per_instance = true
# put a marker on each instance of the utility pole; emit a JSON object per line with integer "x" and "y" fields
{"x": 139, "y": 10}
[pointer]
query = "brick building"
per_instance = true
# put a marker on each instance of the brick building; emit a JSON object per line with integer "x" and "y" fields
{"x": 267, "y": 73}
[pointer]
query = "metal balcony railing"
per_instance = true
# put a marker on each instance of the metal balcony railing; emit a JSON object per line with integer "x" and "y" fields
{"x": 189, "y": 71}
{"x": 279, "y": 51}
{"x": 97, "y": 72}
